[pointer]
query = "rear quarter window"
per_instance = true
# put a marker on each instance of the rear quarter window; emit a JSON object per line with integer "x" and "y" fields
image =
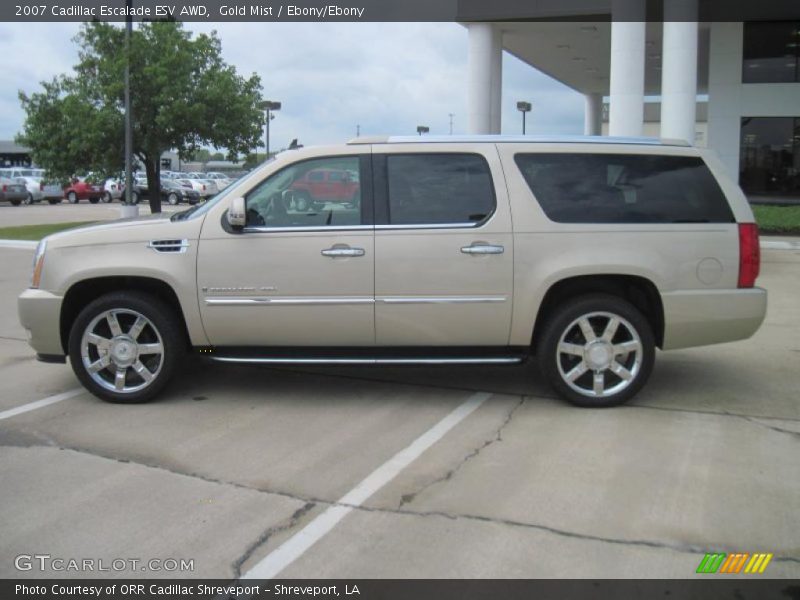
{"x": 624, "y": 188}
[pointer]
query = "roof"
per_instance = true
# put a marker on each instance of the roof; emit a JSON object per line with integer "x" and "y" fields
{"x": 519, "y": 139}
{"x": 11, "y": 147}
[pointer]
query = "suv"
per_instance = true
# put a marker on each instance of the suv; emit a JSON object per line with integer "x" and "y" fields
{"x": 585, "y": 253}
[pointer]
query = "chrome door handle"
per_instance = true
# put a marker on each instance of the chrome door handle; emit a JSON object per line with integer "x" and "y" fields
{"x": 343, "y": 252}
{"x": 482, "y": 249}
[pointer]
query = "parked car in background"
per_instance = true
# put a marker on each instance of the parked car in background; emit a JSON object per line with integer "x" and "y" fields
{"x": 173, "y": 191}
{"x": 83, "y": 190}
{"x": 204, "y": 187}
{"x": 113, "y": 189}
{"x": 30, "y": 178}
{"x": 220, "y": 179}
{"x": 319, "y": 186}
{"x": 12, "y": 191}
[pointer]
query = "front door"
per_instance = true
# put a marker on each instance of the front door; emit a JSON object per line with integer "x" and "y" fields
{"x": 443, "y": 247}
{"x": 299, "y": 274}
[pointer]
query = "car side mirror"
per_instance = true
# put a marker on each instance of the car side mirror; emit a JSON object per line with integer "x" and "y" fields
{"x": 237, "y": 213}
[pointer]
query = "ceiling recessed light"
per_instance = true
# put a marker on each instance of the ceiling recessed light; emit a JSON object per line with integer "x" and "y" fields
{"x": 578, "y": 58}
{"x": 588, "y": 28}
{"x": 563, "y": 46}
{"x": 591, "y": 69}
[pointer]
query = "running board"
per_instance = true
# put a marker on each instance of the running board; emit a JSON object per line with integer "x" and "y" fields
{"x": 509, "y": 360}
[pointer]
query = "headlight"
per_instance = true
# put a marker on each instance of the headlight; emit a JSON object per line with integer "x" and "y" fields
{"x": 38, "y": 263}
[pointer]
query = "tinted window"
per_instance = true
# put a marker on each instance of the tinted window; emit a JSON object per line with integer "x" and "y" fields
{"x": 439, "y": 188}
{"x": 316, "y": 176}
{"x": 287, "y": 199}
{"x": 770, "y": 52}
{"x": 769, "y": 159}
{"x": 617, "y": 188}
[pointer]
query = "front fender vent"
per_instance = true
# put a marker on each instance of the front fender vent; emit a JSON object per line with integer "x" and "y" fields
{"x": 174, "y": 246}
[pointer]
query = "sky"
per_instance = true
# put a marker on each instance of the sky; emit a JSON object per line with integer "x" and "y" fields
{"x": 330, "y": 77}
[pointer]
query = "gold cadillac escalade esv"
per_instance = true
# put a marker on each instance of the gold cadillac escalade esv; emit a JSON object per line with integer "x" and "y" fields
{"x": 585, "y": 253}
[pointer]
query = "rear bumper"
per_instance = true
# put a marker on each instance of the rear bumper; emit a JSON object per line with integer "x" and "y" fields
{"x": 703, "y": 317}
{"x": 39, "y": 313}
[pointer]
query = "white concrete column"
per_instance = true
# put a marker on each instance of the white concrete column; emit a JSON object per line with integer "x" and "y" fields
{"x": 593, "y": 114}
{"x": 679, "y": 70}
{"x": 497, "y": 80}
{"x": 484, "y": 72}
{"x": 626, "y": 102}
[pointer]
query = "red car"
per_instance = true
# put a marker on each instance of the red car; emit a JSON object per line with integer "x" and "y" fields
{"x": 82, "y": 190}
{"x": 326, "y": 185}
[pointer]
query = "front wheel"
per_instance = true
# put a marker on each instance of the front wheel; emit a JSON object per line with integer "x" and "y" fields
{"x": 597, "y": 350}
{"x": 94, "y": 200}
{"x": 173, "y": 199}
{"x": 107, "y": 198}
{"x": 72, "y": 198}
{"x": 28, "y": 199}
{"x": 54, "y": 200}
{"x": 125, "y": 346}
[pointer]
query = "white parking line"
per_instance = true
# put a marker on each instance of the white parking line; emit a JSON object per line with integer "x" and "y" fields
{"x": 18, "y": 244}
{"x": 295, "y": 546}
{"x": 12, "y": 412}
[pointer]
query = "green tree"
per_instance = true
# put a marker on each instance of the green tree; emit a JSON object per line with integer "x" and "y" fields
{"x": 183, "y": 96}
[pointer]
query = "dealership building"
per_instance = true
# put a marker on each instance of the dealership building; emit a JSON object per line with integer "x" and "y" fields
{"x": 745, "y": 75}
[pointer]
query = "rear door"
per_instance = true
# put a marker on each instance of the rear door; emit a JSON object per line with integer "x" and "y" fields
{"x": 443, "y": 246}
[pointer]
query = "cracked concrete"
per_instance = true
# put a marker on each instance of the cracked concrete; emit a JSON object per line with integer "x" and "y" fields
{"x": 498, "y": 437}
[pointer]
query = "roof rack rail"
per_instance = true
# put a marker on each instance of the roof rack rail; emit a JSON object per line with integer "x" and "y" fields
{"x": 519, "y": 139}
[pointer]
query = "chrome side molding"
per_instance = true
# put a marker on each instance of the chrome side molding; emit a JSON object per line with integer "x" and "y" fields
{"x": 489, "y": 360}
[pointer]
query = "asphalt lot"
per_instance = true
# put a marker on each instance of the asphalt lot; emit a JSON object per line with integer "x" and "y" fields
{"x": 234, "y": 461}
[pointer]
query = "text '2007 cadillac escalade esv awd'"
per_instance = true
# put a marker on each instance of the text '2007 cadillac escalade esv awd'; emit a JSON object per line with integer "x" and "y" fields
{"x": 586, "y": 254}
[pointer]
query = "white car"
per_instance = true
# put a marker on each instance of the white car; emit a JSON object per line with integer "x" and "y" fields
{"x": 204, "y": 187}
{"x": 220, "y": 179}
{"x": 30, "y": 178}
{"x": 113, "y": 189}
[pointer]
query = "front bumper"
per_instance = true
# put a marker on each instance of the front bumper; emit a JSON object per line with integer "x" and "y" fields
{"x": 703, "y": 317}
{"x": 39, "y": 313}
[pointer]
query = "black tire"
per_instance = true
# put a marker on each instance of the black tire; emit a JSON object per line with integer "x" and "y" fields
{"x": 72, "y": 198}
{"x": 54, "y": 200}
{"x": 15, "y": 202}
{"x": 173, "y": 199}
{"x": 94, "y": 200}
{"x": 163, "y": 322}
{"x": 556, "y": 365}
{"x": 107, "y": 198}
{"x": 28, "y": 199}
{"x": 135, "y": 197}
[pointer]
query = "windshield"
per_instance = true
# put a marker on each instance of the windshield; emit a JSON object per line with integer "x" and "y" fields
{"x": 201, "y": 209}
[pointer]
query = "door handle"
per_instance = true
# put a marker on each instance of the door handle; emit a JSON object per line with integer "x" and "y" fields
{"x": 339, "y": 252}
{"x": 482, "y": 249}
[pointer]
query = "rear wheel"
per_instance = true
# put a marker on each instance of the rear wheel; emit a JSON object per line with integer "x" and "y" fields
{"x": 107, "y": 197}
{"x": 72, "y": 198}
{"x": 94, "y": 200}
{"x": 28, "y": 199}
{"x": 173, "y": 199}
{"x": 54, "y": 200}
{"x": 302, "y": 202}
{"x": 597, "y": 350}
{"x": 15, "y": 202}
{"x": 125, "y": 346}
{"x": 135, "y": 197}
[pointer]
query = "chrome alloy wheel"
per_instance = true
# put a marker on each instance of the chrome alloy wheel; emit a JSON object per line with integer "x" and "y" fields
{"x": 599, "y": 354}
{"x": 122, "y": 351}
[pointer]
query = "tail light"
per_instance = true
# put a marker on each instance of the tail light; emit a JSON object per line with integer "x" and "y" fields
{"x": 5, "y": 188}
{"x": 749, "y": 255}
{"x": 41, "y": 187}
{"x": 204, "y": 188}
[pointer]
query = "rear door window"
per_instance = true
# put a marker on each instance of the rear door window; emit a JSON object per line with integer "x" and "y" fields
{"x": 431, "y": 189}
{"x": 624, "y": 188}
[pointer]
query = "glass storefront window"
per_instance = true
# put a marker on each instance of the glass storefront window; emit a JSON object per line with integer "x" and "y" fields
{"x": 770, "y": 53}
{"x": 769, "y": 158}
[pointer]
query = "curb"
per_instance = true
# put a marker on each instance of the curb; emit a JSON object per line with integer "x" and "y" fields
{"x": 19, "y": 244}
